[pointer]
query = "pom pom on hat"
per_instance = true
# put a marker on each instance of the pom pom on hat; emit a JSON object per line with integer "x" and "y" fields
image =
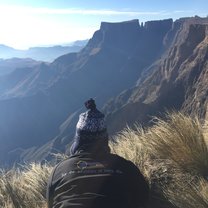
{"x": 90, "y": 104}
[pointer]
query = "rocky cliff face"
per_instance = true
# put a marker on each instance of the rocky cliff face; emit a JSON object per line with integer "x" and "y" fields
{"x": 134, "y": 71}
{"x": 176, "y": 81}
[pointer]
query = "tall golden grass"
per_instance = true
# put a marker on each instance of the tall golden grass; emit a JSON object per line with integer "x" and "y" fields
{"x": 24, "y": 187}
{"x": 172, "y": 155}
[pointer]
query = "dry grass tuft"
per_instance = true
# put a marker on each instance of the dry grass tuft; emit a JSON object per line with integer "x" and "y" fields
{"x": 192, "y": 194}
{"x": 25, "y": 187}
{"x": 180, "y": 139}
{"x": 173, "y": 155}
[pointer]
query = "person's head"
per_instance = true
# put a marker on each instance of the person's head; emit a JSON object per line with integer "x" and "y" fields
{"x": 91, "y": 132}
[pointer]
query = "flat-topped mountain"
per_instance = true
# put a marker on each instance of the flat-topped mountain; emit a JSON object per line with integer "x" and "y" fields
{"x": 178, "y": 80}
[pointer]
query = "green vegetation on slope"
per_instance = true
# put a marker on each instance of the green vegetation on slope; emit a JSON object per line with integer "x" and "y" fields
{"x": 172, "y": 154}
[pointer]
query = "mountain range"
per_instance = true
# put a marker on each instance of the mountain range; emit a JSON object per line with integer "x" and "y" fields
{"x": 47, "y": 54}
{"x": 134, "y": 71}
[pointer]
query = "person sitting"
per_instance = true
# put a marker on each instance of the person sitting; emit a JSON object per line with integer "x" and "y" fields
{"x": 92, "y": 177}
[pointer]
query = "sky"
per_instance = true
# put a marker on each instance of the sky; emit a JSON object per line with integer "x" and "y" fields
{"x": 29, "y": 23}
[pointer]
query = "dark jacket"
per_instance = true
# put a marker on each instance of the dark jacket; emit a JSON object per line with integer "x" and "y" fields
{"x": 88, "y": 181}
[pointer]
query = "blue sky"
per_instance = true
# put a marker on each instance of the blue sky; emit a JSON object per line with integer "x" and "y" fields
{"x": 27, "y": 23}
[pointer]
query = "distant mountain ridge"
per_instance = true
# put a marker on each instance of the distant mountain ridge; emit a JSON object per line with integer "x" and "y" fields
{"x": 134, "y": 71}
{"x": 47, "y": 54}
{"x": 9, "y": 65}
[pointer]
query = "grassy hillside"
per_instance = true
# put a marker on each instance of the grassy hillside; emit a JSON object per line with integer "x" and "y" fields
{"x": 172, "y": 154}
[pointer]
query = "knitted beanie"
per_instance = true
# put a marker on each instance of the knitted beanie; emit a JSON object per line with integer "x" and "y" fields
{"x": 91, "y": 131}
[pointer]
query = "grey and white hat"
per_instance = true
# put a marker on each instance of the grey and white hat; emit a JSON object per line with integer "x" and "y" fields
{"x": 91, "y": 121}
{"x": 91, "y": 129}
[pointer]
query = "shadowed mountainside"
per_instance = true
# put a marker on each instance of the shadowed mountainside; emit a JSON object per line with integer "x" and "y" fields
{"x": 135, "y": 71}
{"x": 178, "y": 80}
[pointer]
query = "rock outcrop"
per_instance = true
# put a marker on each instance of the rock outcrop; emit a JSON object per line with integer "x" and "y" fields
{"x": 176, "y": 81}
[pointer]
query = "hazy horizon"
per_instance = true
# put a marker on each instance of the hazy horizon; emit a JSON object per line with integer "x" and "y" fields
{"x": 63, "y": 44}
{"x": 34, "y": 23}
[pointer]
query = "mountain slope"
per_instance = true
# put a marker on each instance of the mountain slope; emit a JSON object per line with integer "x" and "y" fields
{"x": 178, "y": 80}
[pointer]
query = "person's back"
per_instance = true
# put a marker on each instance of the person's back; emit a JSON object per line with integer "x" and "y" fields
{"x": 92, "y": 177}
{"x": 102, "y": 181}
